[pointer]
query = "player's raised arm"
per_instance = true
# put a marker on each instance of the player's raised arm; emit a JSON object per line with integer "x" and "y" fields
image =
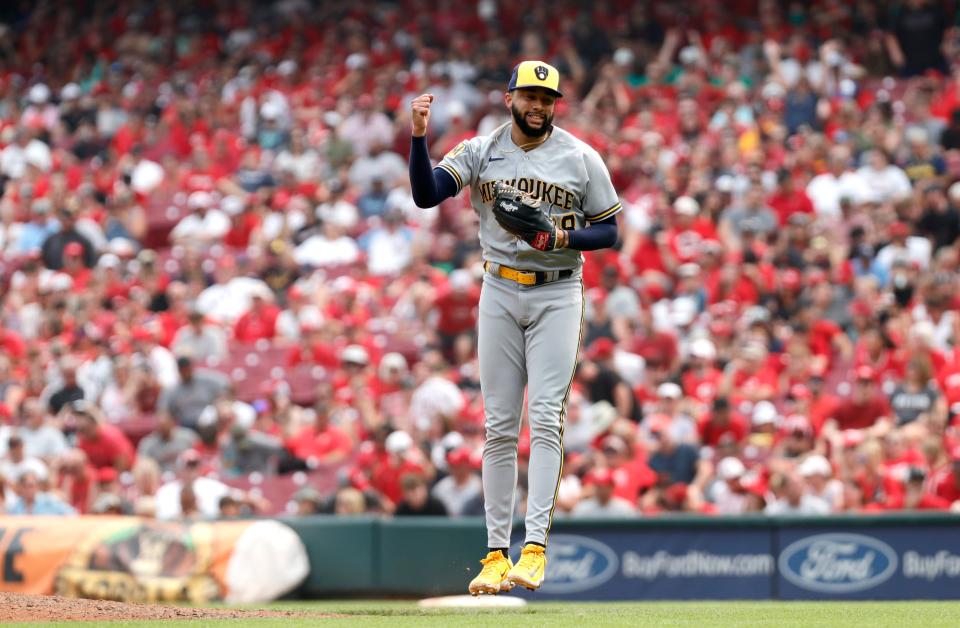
{"x": 429, "y": 186}
{"x": 420, "y": 114}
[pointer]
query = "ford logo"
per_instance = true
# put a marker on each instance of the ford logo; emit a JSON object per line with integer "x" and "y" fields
{"x": 837, "y": 563}
{"x": 577, "y": 563}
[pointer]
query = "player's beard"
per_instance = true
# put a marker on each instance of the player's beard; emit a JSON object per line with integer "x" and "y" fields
{"x": 528, "y": 130}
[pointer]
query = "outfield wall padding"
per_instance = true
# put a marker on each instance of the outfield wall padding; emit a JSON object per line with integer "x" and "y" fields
{"x": 882, "y": 557}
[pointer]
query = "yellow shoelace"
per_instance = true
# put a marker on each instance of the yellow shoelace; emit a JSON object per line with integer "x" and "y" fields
{"x": 529, "y": 560}
{"x": 490, "y": 564}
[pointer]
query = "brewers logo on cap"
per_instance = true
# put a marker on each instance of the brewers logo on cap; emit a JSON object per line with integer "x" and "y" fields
{"x": 535, "y": 74}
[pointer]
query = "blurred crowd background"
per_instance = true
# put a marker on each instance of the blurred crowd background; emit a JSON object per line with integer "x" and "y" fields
{"x": 218, "y": 299}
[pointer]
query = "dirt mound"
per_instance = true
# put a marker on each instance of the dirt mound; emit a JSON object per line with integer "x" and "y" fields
{"x": 18, "y": 607}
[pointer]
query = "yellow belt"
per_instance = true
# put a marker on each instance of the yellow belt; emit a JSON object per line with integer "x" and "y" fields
{"x": 522, "y": 277}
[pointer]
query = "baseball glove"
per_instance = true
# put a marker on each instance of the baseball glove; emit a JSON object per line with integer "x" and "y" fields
{"x": 522, "y": 215}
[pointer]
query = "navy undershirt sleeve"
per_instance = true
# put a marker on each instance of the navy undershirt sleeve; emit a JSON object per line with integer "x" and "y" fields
{"x": 430, "y": 186}
{"x": 599, "y": 235}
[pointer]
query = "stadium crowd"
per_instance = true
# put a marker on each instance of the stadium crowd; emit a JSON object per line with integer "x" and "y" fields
{"x": 219, "y": 299}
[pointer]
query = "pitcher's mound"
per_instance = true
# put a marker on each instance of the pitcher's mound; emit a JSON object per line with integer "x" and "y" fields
{"x": 20, "y": 607}
{"x": 469, "y": 601}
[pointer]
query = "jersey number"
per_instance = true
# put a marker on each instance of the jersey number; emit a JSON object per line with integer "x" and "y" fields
{"x": 567, "y": 222}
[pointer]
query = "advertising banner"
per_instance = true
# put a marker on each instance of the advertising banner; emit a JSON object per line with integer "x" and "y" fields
{"x": 792, "y": 560}
{"x": 132, "y": 559}
{"x": 874, "y": 563}
{"x": 599, "y": 564}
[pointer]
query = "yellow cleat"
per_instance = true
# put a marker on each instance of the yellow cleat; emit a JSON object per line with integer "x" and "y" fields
{"x": 529, "y": 570}
{"x": 492, "y": 579}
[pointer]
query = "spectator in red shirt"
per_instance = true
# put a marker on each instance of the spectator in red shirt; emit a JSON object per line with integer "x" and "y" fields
{"x": 946, "y": 484}
{"x": 689, "y": 231}
{"x": 875, "y": 349}
{"x": 399, "y": 458}
{"x": 457, "y": 306}
{"x": 629, "y": 472}
{"x": 12, "y": 345}
{"x": 244, "y": 223}
{"x": 824, "y": 337}
{"x": 814, "y": 401}
{"x": 260, "y": 321}
{"x": 721, "y": 421}
{"x": 652, "y": 345}
{"x": 177, "y": 314}
{"x": 863, "y": 463}
{"x": 604, "y": 501}
{"x": 73, "y": 265}
{"x": 316, "y": 346}
{"x": 104, "y": 444}
{"x": 76, "y": 479}
{"x": 788, "y": 200}
{"x": 866, "y": 407}
{"x": 915, "y": 497}
{"x": 749, "y": 377}
{"x": 321, "y": 442}
{"x": 703, "y": 378}
{"x": 648, "y": 253}
{"x": 738, "y": 280}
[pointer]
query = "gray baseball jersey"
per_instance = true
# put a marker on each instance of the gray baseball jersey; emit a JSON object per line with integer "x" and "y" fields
{"x": 563, "y": 172}
{"x": 528, "y": 335}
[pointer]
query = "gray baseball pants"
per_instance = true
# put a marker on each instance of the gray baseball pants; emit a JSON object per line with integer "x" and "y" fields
{"x": 528, "y": 336}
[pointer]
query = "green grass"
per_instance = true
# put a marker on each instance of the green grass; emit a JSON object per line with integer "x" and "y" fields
{"x": 587, "y": 615}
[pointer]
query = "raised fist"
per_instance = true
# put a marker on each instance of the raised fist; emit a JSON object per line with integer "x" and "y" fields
{"x": 420, "y": 113}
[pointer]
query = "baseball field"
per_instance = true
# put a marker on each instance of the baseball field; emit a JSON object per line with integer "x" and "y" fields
{"x": 46, "y": 611}
{"x": 641, "y": 614}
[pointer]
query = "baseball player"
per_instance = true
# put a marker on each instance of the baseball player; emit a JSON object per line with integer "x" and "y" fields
{"x": 542, "y": 196}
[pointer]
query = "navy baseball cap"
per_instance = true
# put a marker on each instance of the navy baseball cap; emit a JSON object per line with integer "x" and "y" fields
{"x": 535, "y": 74}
